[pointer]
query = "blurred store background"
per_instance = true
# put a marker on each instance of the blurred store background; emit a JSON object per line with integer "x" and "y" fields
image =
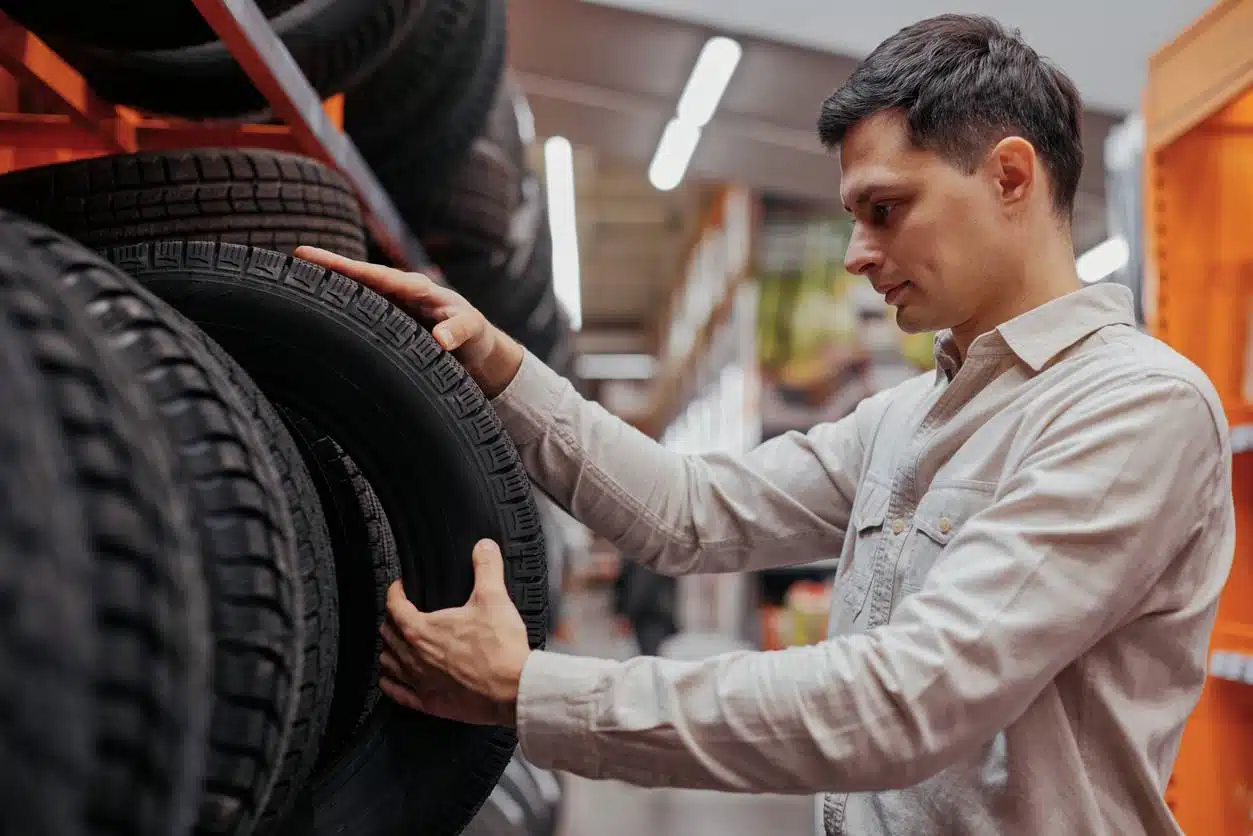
{"x": 714, "y": 308}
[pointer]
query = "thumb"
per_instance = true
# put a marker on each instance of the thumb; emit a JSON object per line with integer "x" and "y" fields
{"x": 489, "y": 571}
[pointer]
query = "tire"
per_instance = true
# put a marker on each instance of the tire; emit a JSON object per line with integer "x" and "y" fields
{"x": 437, "y": 457}
{"x": 365, "y": 553}
{"x": 477, "y": 210}
{"x": 523, "y": 306}
{"x": 316, "y": 566}
{"x": 48, "y": 642}
{"x": 264, "y": 198}
{"x": 167, "y": 24}
{"x": 504, "y": 122}
{"x": 103, "y": 680}
{"x": 428, "y": 71}
{"x": 335, "y": 42}
{"x": 495, "y": 279}
{"x": 415, "y": 152}
{"x": 246, "y": 537}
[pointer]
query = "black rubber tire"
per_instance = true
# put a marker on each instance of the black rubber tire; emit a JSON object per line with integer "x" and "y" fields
{"x": 246, "y": 537}
{"x": 104, "y": 673}
{"x": 365, "y": 553}
{"x": 166, "y": 24}
{"x": 415, "y": 153}
{"x": 316, "y": 565}
{"x": 265, "y": 198}
{"x": 441, "y": 463}
{"x": 386, "y": 563}
{"x": 48, "y": 641}
{"x": 476, "y": 212}
{"x": 503, "y": 125}
{"x": 335, "y": 42}
{"x": 518, "y": 303}
{"x": 477, "y": 209}
{"x": 428, "y": 71}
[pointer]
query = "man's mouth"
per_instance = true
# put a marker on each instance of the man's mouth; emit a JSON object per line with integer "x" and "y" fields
{"x": 893, "y": 294}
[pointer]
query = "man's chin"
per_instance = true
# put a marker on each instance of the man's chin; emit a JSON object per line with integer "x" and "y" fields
{"x": 910, "y": 321}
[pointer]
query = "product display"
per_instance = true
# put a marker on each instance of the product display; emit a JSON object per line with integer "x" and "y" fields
{"x": 234, "y": 453}
{"x": 246, "y": 196}
{"x": 247, "y": 540}
{"x": 186, "y": 71}
{"x": 106, "y": 632}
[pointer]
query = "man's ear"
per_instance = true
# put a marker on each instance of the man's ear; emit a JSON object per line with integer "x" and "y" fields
{"x": 1013, "y": 165}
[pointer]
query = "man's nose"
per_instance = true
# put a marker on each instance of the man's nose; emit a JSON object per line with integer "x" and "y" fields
{"x": 862, "y": 257}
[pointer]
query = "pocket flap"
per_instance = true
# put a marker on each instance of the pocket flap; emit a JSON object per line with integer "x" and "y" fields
{"x": 944, "y": 510}
{"x": 871, "y": 506}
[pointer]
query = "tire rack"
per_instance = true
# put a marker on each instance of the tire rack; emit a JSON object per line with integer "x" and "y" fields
{"x": 1198, "y": 200}
{"x": 82, "y": 125}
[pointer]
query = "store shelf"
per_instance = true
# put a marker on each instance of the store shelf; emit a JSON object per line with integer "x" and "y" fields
{"x": 88, "y": 126}
{"x": 244, "y": 29}
{"x": 1197, "y": 198}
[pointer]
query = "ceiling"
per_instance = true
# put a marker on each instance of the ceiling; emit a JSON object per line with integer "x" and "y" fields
{"x": 632, "y": 239}
{"x": 1076, "y": 34}
{"x": 607, "y": 75}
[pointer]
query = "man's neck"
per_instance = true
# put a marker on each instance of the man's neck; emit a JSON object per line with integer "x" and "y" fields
{"x": 1047, "y": 278}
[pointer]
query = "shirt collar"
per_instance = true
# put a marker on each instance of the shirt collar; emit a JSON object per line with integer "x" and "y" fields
{"x": 1040, "y": 334}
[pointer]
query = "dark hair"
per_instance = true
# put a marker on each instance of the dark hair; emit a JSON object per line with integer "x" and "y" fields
{"x": 965, "y": 83}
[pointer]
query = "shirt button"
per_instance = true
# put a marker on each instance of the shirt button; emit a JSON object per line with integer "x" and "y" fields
{"x": 946, "y": 525}
{"x": 898, "y": 525}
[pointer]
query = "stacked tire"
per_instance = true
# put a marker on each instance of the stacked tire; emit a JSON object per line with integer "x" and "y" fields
{"x": 526, "y": 802}
{"x": 216, "y": 459}
{"x": 491, "y": 237}
{"x": 430, "y": 106}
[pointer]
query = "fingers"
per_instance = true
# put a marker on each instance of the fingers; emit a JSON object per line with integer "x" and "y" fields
{"x": 401, "y": 693}
{"x": 489, "y": 571}
{"x": 399, "y": 607}
{"x": 458, "y": 328}
{"x": 400, "y": 650}
{"x": 409, "y": 288}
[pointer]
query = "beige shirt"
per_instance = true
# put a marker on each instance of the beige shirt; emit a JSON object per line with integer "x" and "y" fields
{"x": 1031, "y": 547}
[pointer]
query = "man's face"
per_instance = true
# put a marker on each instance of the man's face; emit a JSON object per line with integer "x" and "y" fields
{"x": 930, "y": 237}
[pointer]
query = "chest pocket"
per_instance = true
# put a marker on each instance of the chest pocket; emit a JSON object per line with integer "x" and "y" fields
{"x": 940, "y": 516}
{"x": 865, "y": 531}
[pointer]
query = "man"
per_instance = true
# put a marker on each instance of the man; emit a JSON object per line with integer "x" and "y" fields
{"x": 1034, "y": 536}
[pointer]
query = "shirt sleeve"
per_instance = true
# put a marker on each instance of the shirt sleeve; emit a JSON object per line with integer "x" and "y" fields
{"x": 1108, "y": 496}
{"x": 788, "y": 501}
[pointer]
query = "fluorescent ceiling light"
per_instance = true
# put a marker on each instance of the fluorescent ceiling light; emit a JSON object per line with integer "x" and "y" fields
{"x": 674, "y": 152}
{"x": 559, "y": 173}
{"x": 713, "y": 70}
{"x": 616, "y": 366}
{"x": 1103, "y": 259}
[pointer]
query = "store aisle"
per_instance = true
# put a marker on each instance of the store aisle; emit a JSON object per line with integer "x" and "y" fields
{"x": 609, "y": 808}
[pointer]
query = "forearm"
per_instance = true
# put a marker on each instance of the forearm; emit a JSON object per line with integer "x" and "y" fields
{"x": 675, "y": 513}
{"x": 834, "y": 717}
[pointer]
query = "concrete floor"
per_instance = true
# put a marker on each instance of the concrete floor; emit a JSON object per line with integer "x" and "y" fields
{"x": 609, "y": 808}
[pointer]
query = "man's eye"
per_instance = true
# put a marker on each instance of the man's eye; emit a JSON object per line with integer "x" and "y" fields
{"x": 879, "y": 213}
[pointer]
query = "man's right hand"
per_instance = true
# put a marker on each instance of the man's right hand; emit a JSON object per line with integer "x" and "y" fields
{"x": 490, "y": 356}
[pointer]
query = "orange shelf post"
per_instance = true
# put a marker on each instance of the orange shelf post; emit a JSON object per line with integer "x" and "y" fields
{"x": 1199, "y": 260}
{"x": 75, "y": 123}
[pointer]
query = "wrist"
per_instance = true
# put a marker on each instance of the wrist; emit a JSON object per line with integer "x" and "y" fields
{"x": 509, "y": 690}
{"x": 501, "y": 365}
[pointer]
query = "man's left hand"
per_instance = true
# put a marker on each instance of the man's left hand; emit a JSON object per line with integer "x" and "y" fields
{"x": 462, "y": 663}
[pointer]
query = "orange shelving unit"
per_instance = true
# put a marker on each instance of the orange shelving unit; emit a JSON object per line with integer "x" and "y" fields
{"x": 1198, "y": 111}
{"x": 49, "y": 114}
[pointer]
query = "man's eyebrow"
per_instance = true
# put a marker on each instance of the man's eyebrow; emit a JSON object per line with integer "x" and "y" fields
{"x": 860, "y": 195}
{"x": 866, "y": 191}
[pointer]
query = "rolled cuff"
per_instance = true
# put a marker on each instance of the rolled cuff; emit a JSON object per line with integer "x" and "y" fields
{"x": 555, "y": 698}
{"x": 528, "y": 403}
